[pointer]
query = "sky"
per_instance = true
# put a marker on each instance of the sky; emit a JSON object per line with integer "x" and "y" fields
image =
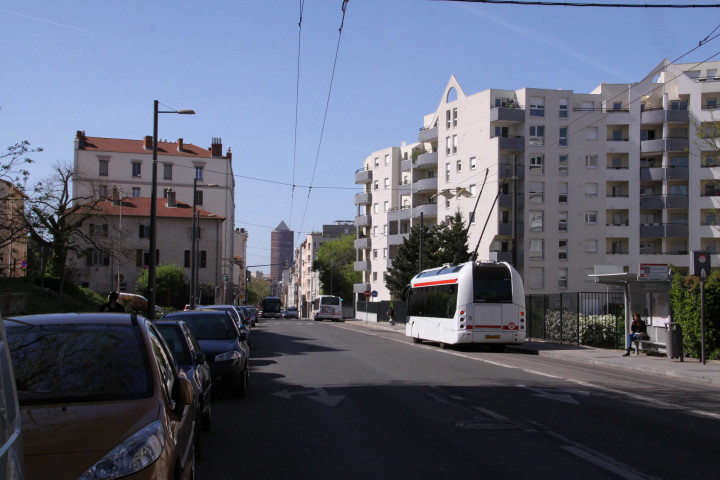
{"x": 268, "y": 85}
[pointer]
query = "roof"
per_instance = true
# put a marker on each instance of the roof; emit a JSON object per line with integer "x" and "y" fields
{"x": 140, "y": 207}
{"x": 100, "y": 144}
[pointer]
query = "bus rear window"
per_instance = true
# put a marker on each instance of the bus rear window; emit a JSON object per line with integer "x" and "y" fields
{"x": 491, "y": 284}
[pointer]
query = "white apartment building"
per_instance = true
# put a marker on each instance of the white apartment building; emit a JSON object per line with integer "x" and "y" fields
{"x": 618, "y": 176}
{"x": 100, "y": 164}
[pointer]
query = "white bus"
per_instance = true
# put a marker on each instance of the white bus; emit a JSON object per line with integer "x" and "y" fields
{"x": 326, "y": 307}
{"x": 481, "y": 302}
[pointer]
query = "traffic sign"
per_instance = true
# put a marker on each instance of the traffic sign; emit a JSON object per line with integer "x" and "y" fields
{"x": 374, "y": 293}
{"x": 367, "y": 293}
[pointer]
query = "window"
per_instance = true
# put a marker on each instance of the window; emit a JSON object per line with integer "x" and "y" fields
{"x": 374, "y": 277}
{"x": 472, "y": 217}
{"x": 448, "y": 118}
{"x": 591, "y": 246}
{"x": 387, "y": 183}
{"x": 473, "y": 163}
{"x": 187, "y": 259}
{"x": 144, "y": 231}
{"x": 537, "y": 107}
{"x": 97, "y": 258}
{"x": 562, "y": 277}
{"x": 617, "y": 106}
{"x": 591, "y": 218}
{"x": 376, "y": 185}
{"x": 588, "y": 106}
{"x": 384, "y": 252}
{"x": 459, "y": 166}
{"x": 375, "y": 231}
{"x": 377, "y": 162}
{"x": 563, "y": 137}
{"x": 563, "y": 165}
{"x": 536, "y": 220}
{"x": 199, "y": 197}
{"x": 102, "y": 191}
{"x": 448, "y": 145}
{"x": 563, "y": 192}
{"x": 199, "y": 173}
{"x": 564, "y": 108}
{"x": 472, "y": 190}
{"x": 536, "y": 164}
{"x": 537, "y": 135}
{"x": 135, "y": 192}
{"x": 203, "y": 258}
{"x": 385, "y": 230}
{"x": 454, "y": 151}
{"x": 375, "y": 254}
{"x": 537, "y": 192}
{"x": 591, "y": 161}
{"x": 103, "y": 168}
{"x": 591, "y": 189}
{"x": 536, "y": 248}
{"x": 447, "y": 203}
{"x": 562, "y": 221}
{"x": 136, "y": 169}
{"x": 375, "y": 208}
{"x": 562, "y": 249}
{"x": 98, "y": 230}
{"x": 167, "y": 171}
{"x": 447, "y": 173}
{"x": 386, "y": 205}
{"x": 591, "y": 133}
{"x": 536, "y": 278}
{"x": 387, "y": 160}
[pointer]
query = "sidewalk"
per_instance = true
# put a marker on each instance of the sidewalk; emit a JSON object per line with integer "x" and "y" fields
{"x": 690, "y": 370}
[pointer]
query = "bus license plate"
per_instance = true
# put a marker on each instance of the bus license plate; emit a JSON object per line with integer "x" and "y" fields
{"x": 492, "y": 337}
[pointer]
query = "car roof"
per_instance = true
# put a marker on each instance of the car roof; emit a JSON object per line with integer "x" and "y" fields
{"x": 73, "y": 318}
{"x": 189, "y": 313}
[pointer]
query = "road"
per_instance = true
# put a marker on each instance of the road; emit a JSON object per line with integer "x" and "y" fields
{"x": 339, "y": 400}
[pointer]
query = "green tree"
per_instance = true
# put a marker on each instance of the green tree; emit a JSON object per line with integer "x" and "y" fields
{"x": 170, "y": 286}
{"x": 257, "y": 290}
{"x": 335, "y": 264}
{"x": 406, "y": 263}
{"x": 451, "y": 242}
{"x": 685, "y": 298}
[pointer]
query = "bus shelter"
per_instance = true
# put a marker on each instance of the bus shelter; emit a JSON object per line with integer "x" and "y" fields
{"x": 646, "y": 293}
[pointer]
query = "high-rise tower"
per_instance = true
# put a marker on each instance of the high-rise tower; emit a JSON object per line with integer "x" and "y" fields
{"x": 281, "y": 251}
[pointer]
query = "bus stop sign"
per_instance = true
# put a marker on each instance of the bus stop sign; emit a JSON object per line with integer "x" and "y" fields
{"x": 699, "y": 261}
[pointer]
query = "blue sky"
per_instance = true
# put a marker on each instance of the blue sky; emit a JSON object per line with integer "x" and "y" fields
{"x": 98, "y": 65}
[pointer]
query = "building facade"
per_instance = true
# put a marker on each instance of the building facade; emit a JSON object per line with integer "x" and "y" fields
{"x": 13, "y": 234}
{"x": 281, "y": 251}
{"x": 101, "y": 164}
{"x": 627, "y": 174}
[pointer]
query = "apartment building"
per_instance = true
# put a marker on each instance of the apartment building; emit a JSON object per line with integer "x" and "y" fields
{"x": 623, "y": 175}
{"x": 100, "y": 164}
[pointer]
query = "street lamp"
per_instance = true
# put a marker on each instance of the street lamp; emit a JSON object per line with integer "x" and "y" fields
{"x": 194, "y": 249}
{"x": 153, "y": 209}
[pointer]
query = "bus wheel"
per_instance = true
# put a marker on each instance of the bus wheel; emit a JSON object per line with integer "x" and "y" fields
{"x": 417, "y": 340}
{"x": 443, "y": 345}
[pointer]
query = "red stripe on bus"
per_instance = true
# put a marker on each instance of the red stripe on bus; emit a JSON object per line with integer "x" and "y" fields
{"x": 488, "y": 326}
{"x": 439, "y": 282}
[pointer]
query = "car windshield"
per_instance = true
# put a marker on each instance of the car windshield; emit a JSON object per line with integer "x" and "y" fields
{"x": 78, "y": 363}
{"x": 210, "y": 327}
{"x": 171, "y": 334}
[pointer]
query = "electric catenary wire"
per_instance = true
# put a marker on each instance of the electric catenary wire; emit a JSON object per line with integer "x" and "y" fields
{"x": 327, "y": 104}
{"x": 584, "y": 4}
{"x": 297, "y": 98}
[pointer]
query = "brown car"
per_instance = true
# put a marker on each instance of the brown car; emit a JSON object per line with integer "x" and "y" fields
{"x": 100, "y": 398}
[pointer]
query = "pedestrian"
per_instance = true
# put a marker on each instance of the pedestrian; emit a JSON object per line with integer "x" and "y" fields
{"x": 391, "y": 315}
{"x": 112, "y": 304}
{"x": 638, "y": 331}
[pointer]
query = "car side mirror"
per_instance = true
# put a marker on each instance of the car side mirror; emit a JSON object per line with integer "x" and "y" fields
{"x": 200, "y": 357}
{"x": 243, "y": 336}
{"x": 183, "y": 393}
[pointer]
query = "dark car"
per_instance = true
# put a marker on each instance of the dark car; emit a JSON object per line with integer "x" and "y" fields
{"x": 100, "y": 397}
{"x": 225, "y": 346}
{"x": 191, "y": 360}
{"x": 249, "y": 313}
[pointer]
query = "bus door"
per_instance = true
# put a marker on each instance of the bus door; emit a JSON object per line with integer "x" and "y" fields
{"x": 487, "y": 322}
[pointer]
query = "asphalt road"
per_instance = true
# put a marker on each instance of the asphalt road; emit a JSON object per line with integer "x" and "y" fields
{"x": 340, "y": 401}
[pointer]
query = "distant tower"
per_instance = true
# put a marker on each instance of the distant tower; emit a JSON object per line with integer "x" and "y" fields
{"x": 281, "y": 251}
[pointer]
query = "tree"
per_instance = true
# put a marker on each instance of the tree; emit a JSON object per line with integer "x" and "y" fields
{"x": 685, "y": 298}
{"x": 13, "y": 179}
{"x": 335, "y": 264}
{"x": 451, "y": 242}
{"x": 170, "y": 285}
{"x": 406, "y": 263}
{"x": 257, "y": 290}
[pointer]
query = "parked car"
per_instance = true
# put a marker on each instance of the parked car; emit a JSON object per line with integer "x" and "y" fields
{"x": 101, "y": 397}
{"x": 135, "y": 303}
{"x": 193, "y": 361}
{"x": 187, "y": 306}
{"x": 249, "y": 313}
{"x": 291, "y": 312}
{"x": 238, "y": 316}
{"x": 224, "y": 345}
{"x": 11, "y": 446}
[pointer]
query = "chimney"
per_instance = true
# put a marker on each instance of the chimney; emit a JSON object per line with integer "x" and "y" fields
{"x": 148, "y": 142}
{"x": 216, "y": 147}
{"x": 115, "y": 196}
{"x": 229, "y": 154}
{"x": 80, "y": 138}
{"x": 171, "y": 202}
{"x": 180, "y": 145}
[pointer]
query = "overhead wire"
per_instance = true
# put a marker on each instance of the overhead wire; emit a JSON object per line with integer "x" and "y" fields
{"x": 585, "y": 4}
{"x": 297, "y": 101}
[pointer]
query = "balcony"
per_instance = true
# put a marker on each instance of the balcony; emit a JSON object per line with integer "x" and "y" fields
{"x": 663, "y": 116}
{"x": 652, "y": 174}
{"x": 671, "y": 144}
{"x": 428, "y": 134}
{"x": 506, "y": 228}
{"x": 656, "y": 230}
{"x": 397, "y": 239}
{"x": 363, "y": 198}
{"x": 425, "y": 185}
{"x": 427, "y": 210}
{"x": 676, "y": 201}
{"x": 363, "y": 221}
{"x": 676, "y": 230}
{"x": 677, "y": 173}
{"x": 618, "y": 117}
{"x": 652, "y": 201}
{"x": 362, "y": 266}
{"x": 426, "y": 160}
{"x": 398, "y": 213}
{"x": 505, "y": 200}
{"x": 362, "y": 243}
{"x": 515, "y": 143}
{"x": 504, "y": 114}
{"x": 363, "y": 176}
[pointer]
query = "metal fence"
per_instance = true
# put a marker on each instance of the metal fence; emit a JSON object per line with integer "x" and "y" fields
{"x": 377, "y": 311}
{"x": 581, "y": 318}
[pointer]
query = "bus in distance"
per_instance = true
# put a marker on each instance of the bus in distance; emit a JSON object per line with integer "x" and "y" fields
{"x": 474, "y": 302}
{"x": 271, "y": 307}
{"x": 326, "y": 307}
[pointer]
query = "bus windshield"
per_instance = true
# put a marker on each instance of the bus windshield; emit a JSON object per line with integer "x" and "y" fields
{"x": 491, "y": 284}
{"x": 330, "y": 300}
{"x": 271, "y": 305}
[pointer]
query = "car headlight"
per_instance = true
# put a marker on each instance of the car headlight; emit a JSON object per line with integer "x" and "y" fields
{"x": 132, "y": 455}
{"x": 224, "y": 357}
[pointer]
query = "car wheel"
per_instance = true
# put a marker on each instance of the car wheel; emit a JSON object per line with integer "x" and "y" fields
{"x": 241, "y": 390}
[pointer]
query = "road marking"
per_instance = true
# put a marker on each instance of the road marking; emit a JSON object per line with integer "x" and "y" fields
{"x": 557, "y": 394}
{"x": 317, "y": 394}
{"x": 606, "y": 463}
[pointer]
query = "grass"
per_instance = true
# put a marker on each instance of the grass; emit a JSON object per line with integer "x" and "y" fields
{"x": 47, "y": 299}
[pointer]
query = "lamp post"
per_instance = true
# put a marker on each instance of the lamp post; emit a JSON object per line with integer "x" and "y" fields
{"x": 194, "y": 249}
{"x": 152, "y": 264}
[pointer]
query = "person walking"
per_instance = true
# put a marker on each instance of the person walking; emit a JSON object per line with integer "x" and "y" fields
{"x": 391, "y": 315}
{"x": 112, "y": 304}
{"x": 637, "y": 329}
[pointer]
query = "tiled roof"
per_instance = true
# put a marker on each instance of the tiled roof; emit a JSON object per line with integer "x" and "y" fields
{"x": 122, "y": 145}
{"x": 140, "y": 207}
